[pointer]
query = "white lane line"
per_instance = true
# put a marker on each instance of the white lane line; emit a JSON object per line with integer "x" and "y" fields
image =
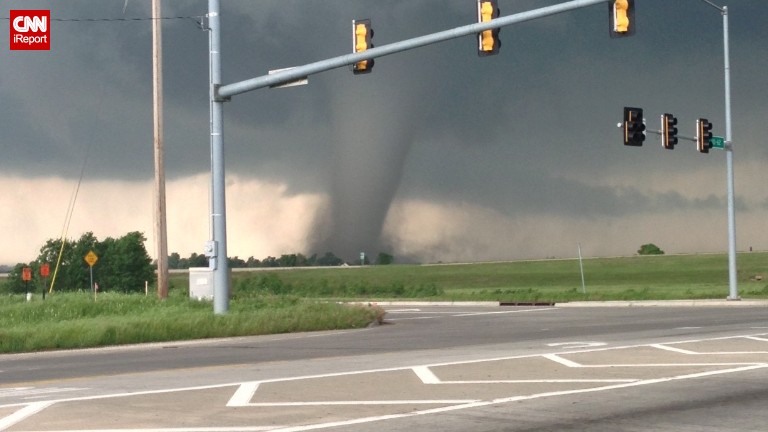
{"x": 577, "y": 345}
{"x": 365, "y": 402}
{"x": 542, "y": 381}
{"x": 243, "y": 394}
{"x": 563, "y": 361}
{"x": 201, "y": 429}
{"x": 426, "y": 375}
{"x": 759, "y": 339}
{"x": 539, "y": 309}
{"x": 411, "y": 319}
{"x": 508, "y": 400}
{"x": 673, "y": 349}
{"x": 29, "y": 410}
{"x": 716, "y": 353}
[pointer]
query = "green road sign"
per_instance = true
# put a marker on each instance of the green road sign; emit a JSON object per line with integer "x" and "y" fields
{"x": 717, "y": 142}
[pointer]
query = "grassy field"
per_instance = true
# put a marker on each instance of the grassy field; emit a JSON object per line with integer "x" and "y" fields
{"x": 291, "y": 300}
{"x": 630, "y": 278}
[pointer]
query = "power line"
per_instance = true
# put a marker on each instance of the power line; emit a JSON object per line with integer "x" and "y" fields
{"x": 194, "y": 17}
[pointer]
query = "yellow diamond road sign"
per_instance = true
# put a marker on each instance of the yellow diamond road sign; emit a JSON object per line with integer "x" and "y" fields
{"x": 91, "y": 258}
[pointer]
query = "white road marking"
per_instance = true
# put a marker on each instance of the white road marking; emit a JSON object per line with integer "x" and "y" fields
{"x": 759, "y": 339}
{"x": 577, "y": 345}
{"x": 364, "y": 402}
{"x": 563, "y": 361}
{"x": 538, "y": 309}
{"x": 22, "y": 414}
{"x": 673, "y": 349}
{"x": 508, "y": 400}
{"x": 426, "y": 375}
{"x": 203, "y": 429}
{"x": 245, "y": 390}
{"x": 244, "y": 394}
{"x": 32, "y": 392}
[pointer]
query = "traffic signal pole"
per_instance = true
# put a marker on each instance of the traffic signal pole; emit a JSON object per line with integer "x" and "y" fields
{"x": 218, "y": 256}
{"x": 734, "y": 290}
{"x": 733, "y": 287}
{"x": 221, "y": 93}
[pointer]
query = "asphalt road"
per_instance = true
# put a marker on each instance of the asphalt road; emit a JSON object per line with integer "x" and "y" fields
{"x": 427, "y": 369}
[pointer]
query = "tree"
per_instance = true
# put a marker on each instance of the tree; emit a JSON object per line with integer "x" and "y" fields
{"x": 650, "y": 249}
{"x": 329, "y": 259}
{"x": 174, "y": 261}
{"x": 123, "y": 263}
{"x": 384, "y": 259}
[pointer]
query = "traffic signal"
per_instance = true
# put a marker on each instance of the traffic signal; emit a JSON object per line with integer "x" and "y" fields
{"x": 668, "y": 131}
{"x": 488, "y": 42}
{"x": 633, "y": 127}
{"x": 622, "y": 18}
{"x": 703, "y": 135}
{"x": 362, "y": 33}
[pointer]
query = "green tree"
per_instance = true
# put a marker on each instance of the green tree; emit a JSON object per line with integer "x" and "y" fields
{"x": 124, "y": 264}
{"x": 329, "y": 259}
{"x": 174, "y": 261}
{"x": 650, "y": 249}
{"x": 384, "y": 259}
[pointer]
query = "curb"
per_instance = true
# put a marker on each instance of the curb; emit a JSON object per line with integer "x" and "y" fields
{"x": 581, "y": 304}
{"x": 668, "y": 303}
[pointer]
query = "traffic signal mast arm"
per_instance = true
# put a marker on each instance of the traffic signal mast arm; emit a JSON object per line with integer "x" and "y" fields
{"x": 658, "y": 132}
{"x": 224, "y": 92}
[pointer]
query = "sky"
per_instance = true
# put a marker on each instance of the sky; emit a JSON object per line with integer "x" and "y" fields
{"x": 437, "y": 155}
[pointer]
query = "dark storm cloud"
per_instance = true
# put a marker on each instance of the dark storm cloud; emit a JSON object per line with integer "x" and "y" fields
{"x": 509, "y": 132}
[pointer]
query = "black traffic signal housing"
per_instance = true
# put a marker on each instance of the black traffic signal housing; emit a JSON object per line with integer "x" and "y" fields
{"x": 703, "y": 135}
{"x": 633, "y": 127}
{"x": 621, "y": 15}
{"x": 488, "y": 42}
{"x": 668, "y": 131}
{"x": 362, "y": 34}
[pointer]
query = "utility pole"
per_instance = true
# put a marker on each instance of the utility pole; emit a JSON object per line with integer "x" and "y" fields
{"x": 161, "y": 232}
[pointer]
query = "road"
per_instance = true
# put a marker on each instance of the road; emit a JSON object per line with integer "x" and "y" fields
{"x": 427, "y": 369}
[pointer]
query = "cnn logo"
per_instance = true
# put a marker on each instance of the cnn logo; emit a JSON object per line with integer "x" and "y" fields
{"x": 30, "y": 29}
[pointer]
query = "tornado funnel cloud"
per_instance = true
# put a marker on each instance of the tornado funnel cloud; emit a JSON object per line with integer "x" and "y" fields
{"x": 371, "y": 144}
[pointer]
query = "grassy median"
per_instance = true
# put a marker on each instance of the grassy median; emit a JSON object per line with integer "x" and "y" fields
{"x": 76, "y": 320}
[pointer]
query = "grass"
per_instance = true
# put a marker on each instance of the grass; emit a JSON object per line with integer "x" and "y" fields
{"x": 630, "y": 278}
{"x": 75, "y": 320}
{"x": 280, "y": 301}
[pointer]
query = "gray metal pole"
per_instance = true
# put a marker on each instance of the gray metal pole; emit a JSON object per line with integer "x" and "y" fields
{"x": 581, "y": 267}
{"x": 219, "y": 263}
{"x": 734, "y": 290}
{"x": 296, "y": 73}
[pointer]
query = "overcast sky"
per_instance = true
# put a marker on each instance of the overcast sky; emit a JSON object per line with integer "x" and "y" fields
{"x": 437, "y": 155}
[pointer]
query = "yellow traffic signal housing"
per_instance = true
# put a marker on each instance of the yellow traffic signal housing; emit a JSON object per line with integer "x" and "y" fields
{"x": 488, "y": 42}
{"x": 621, "y": 18}
{"x": 362, "y": 33}
{"x": 703, "y": 135}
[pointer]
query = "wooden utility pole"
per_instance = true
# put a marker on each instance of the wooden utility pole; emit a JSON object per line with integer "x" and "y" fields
{"x": 161, "y": 234}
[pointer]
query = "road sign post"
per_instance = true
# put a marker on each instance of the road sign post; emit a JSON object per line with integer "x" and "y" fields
{"x": 91, "y": 259}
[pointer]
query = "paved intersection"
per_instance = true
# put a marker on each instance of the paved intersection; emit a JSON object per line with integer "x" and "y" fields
{"x": 357, "y": 397}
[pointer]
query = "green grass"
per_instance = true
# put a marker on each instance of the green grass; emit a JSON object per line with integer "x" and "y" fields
{"x": 266, "y": 302}
{"x": 75, "y": 320}
{"x": 631, "y": 278}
